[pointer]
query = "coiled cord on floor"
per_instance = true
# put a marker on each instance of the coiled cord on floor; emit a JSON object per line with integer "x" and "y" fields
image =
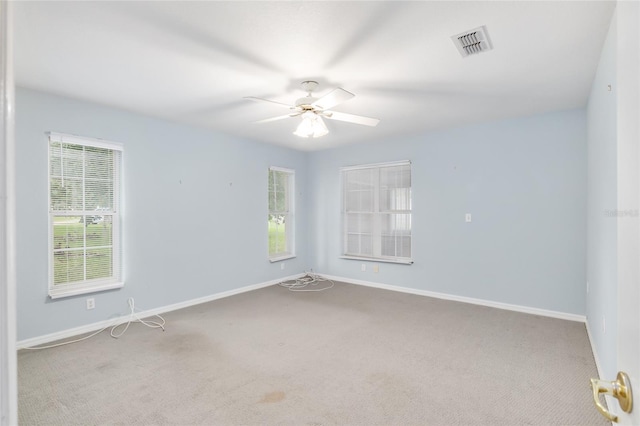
{"x": 133, "y": 317}
{"x": 303, "y": 283}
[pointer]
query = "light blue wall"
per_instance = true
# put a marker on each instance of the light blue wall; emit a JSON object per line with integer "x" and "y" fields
{"x": 195, "y": 208}
{"x": 602, "y": 264}
{"x": 524, "y": 182}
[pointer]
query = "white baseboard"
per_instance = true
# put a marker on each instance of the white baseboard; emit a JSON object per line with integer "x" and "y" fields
{"x": 65, "y": 334}
{"x": 593, "y": 350}
{"x": 482, "y": 302}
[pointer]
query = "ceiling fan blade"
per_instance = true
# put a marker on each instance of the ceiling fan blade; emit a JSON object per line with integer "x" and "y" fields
{"x": 253, "y": 98}
{"x": 357, "y": 119}
{"x": 281, "y": 117}
{"x": 333, "y": 98}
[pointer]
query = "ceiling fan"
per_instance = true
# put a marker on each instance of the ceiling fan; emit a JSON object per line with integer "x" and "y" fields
{"x": 312, "y": 110}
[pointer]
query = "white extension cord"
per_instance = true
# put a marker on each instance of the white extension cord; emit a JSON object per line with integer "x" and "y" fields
{"x": 133, "y": 317}
{"x": 303, "y": 283}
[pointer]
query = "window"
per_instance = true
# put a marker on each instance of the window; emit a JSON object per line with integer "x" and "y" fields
{"x": 376, "y": 212}
{"x": 281, "y": 218}
{"x": 84, "y": 215}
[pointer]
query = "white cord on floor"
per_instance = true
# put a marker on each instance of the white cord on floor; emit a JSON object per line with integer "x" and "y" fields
{"x": 133, "y": 317}
{"x": 302, "y": 284}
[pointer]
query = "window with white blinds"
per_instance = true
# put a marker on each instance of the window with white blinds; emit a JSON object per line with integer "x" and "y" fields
{"x": 376, "y": 212}
{"x": 281, "y": 219}
{"x": 84, "y": 215}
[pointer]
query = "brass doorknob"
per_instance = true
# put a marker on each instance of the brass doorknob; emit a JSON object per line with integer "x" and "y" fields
{"x": 619, "y": 389}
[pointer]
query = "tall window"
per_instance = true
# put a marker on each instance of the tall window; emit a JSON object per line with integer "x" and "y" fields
{"x": 84, "y": 215}
{"x": 376, "y": 212}
{"x": 281, "y": 218}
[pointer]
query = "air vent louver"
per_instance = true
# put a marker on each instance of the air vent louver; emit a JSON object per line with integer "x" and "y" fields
{"x": 473, "y": 41}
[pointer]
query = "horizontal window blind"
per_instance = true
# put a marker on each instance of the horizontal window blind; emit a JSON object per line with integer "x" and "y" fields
{"x": 377, "y": 211}
{"x": 84, "y": 211}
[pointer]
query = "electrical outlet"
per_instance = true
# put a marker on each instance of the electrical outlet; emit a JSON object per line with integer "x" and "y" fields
{"x": 376, "y": 268}
{"x": 282, "y": 266}
{"x": 363, "y": 267}
{"x": 91, "y": 303}
{"x": 467, "y": 217}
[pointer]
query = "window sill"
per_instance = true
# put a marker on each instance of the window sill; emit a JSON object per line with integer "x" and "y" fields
{"x": 77, "y": 289}
{"x": 280, "y": 258}
{"x": 381, "y": 260}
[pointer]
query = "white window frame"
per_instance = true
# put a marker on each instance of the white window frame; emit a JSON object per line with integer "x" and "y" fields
{"x": 289, "y": 214}
{"x": 88, "y": 285}
{"x": 376, "y": 213}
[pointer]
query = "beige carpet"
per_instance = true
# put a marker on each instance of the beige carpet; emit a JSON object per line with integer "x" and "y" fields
{"x": 350, "y": 355}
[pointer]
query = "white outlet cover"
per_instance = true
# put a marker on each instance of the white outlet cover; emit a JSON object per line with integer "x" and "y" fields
{"x": 467, "y": 217}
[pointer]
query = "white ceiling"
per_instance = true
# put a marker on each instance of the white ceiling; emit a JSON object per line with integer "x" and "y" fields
{"x": 193, "y": 62}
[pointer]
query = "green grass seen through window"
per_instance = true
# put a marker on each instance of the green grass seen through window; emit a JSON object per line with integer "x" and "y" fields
{"x": 277, "y": 238}
{"x": 72, "y": 257}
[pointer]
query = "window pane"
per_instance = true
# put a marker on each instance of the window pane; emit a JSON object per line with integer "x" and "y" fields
{"x": 99, "y": 231}
{"x": 359, "y": 222}
{"x": 277, "y": 234}
{"x": 66, "y": 194}
{"x": 396, "y": 235}
{"x": 395, "y": 188}
{"x": 68, "y": 232}
{"x": 72, "y": 161}
{"x": 278, "y": 191}
{"x": 68, "y": 266}
{"x": 282, "y": 190}
{"x": 359, "y": 233}
{"x": 396, "y": 246}
{"x": 55, "y": 160}
{"x": 359, "y": 186}
{"x": 99, "y": 163}
{"x": 360, "y": 200}
{"x": 393, "y": 199}
{"x": 99, "y": 263}
{"x": 405, "y": 247}
{"x": 392, "y": 223}
{"x": 58, "y": 194}
{"x": 359, "y": 244}
{"x": 98, "y": 195}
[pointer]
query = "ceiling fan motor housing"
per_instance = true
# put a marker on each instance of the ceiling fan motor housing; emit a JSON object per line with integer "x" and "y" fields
{"x": 305, "y": 103}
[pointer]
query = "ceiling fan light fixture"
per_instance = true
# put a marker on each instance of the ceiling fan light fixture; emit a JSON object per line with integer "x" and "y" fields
{"x": 311, "y": 126}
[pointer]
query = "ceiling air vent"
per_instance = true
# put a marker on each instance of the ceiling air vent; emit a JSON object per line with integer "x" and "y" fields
{"x": 473, "y": 41}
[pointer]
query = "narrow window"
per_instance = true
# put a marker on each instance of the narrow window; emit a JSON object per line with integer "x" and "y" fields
{"x": 84, "y": 215}
{"x": 376, "y": 212}
{"x": 281, "y": 219}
